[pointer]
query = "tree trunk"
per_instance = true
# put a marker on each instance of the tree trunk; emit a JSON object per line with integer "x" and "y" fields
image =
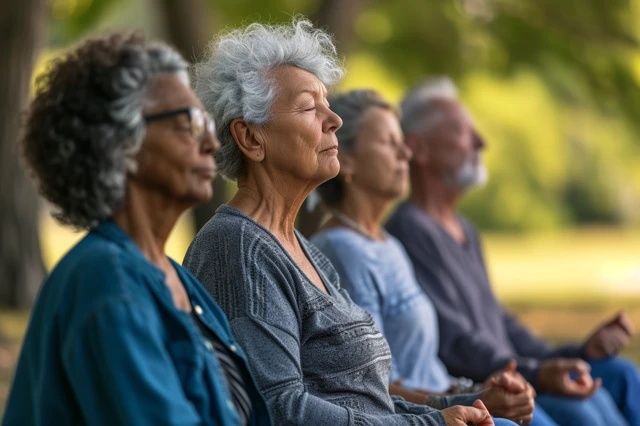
{"x": 189, "y": 30}
{"x": 21, "y": 269}
{"x": 338, "y": 17}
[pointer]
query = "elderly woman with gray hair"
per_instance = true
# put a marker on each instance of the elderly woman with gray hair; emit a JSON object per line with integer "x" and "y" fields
{"x": 121, "y": 334}
{"x": 317, "y": 358}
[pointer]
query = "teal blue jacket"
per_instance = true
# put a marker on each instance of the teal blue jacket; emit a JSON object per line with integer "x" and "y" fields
{"x": 106, "y": 345}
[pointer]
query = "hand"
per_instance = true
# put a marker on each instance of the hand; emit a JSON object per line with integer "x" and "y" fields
{"x": 509, "y": 395}
{"x": 567, "y": 376}
{"x": 508, "y": 378}
{"x": 610, "y": 338}
{"x": 463, "y": 416}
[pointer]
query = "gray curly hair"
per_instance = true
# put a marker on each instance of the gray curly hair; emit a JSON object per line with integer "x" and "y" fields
{"x": 85, "y": 123}
{"x": 234, "y": 82}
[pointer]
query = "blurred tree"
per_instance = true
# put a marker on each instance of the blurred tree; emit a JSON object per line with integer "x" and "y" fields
{"x": 558, "y": 97}
{"x": 189, "y": 29}
{"x": 21, "y": 269}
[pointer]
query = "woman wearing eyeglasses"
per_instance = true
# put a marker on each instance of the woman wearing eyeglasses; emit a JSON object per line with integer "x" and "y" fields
{"x": 121, "y": 334}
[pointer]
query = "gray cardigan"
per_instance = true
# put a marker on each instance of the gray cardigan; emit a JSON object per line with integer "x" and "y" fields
{"x": 317, "y": 358}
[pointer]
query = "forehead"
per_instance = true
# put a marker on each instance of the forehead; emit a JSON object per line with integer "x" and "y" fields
{"x": 454, "y": 111}
{"x": 171, "y": 90}
{"x": 377, "y": 117}
{"x": 292, "y": 81}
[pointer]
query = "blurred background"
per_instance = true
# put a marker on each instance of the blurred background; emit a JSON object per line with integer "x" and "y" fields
{"x": 553, "y": 85}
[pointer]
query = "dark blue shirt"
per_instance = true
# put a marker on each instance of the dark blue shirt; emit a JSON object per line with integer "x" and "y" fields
{"x": 478, "y": 335}
{"x": 106, "y": 345}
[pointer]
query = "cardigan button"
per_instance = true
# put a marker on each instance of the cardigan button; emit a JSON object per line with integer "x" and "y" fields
{"x": 233, "y": 348}
{"x": 198, "y": 309}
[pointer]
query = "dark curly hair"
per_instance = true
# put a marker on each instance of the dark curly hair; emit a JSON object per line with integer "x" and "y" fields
{"x": 85, "y": 123}
{"x": 350, "y": 106}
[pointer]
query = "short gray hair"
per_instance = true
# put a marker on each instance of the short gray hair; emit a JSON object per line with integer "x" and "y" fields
{"x": 419, "y": 110}
{"x": 85, "y": 123}
{"x": 233, "y": 81}
{"x": 351, "y": 107}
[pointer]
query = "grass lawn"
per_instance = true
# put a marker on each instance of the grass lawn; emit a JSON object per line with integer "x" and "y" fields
{"x": 561, "y": 284}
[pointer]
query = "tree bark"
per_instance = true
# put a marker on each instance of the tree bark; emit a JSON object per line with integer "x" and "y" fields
{"x": 22, "y": 26}
{"x": 337, "y": 17}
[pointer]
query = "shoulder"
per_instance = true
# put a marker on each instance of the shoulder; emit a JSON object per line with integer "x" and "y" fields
{"x": 95, "y": 267}
{"x": 241, "y": 265}
{"x": 414, "y": 229}
{"x": 230, "y": 236}
{"x": 344, "y": 245}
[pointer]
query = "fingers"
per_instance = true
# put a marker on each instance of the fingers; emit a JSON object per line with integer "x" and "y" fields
{"x": 581, "y": 387}
{"x": 509, "y": 379}
{"x": 476, "y": 415}
{"x": 615, "y": 340}
{"x": 483, "y": 417}
{"x": 509, "y": 383}
{"x": 609, "y": 341}
{"x": 621, "y": 320}
{"x": 575, "y": 365}
{"x": 515, "y": 406}
{"x": 511, "y": 366}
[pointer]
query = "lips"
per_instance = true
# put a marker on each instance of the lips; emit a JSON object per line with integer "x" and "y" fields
{"x": 206, "y": 172}
{"x": 331, "y": 148}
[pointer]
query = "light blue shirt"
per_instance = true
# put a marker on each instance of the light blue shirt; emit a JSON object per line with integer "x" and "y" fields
{"x": 380, "y": 278}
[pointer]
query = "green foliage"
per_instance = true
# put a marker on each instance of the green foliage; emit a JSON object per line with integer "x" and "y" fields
{"x": 554, "y": 86}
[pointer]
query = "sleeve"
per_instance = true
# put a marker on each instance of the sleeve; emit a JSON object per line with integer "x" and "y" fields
{"x": 525, "y": 343}
{"x": 443, "y": 401}
{"x": 121, "y": 372}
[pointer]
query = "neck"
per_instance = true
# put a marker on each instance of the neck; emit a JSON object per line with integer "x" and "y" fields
{"x": 273, "y": 203}
{"x": 365, "y": 211}
{"x": 435, "y": 197}
{"x": 148, "y": 220}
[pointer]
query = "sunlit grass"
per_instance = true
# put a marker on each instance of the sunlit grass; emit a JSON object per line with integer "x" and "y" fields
{"x": 574, "y": 266}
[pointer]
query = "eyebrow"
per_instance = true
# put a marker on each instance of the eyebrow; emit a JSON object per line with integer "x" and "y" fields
{"x": 312, "y": 92}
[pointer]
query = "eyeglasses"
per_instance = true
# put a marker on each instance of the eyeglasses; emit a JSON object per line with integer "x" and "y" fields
{"x": 200, "y": 122}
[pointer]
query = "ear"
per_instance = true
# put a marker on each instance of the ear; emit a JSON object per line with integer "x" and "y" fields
{"x": 419, "y": 148}
{"x": 247, "y": 139}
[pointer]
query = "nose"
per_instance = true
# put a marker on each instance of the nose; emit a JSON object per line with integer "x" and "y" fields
{"x": 210, "y": 143}
{"x": 333, "y": 122}
{"x": 405, "y": 151}
{"x": 478, "y": 141}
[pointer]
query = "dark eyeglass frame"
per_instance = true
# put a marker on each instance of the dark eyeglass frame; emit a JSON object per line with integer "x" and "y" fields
{"x": 208, "y": 125}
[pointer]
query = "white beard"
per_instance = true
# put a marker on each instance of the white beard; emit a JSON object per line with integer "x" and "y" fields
{"x": 470, "y": 174}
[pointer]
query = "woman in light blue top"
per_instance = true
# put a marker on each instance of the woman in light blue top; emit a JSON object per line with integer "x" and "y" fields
{"x": 121, "y": 334}
{"x": 376, "y": 271}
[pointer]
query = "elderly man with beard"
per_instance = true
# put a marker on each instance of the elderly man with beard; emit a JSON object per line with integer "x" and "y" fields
{"x": 478, "y": 336}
